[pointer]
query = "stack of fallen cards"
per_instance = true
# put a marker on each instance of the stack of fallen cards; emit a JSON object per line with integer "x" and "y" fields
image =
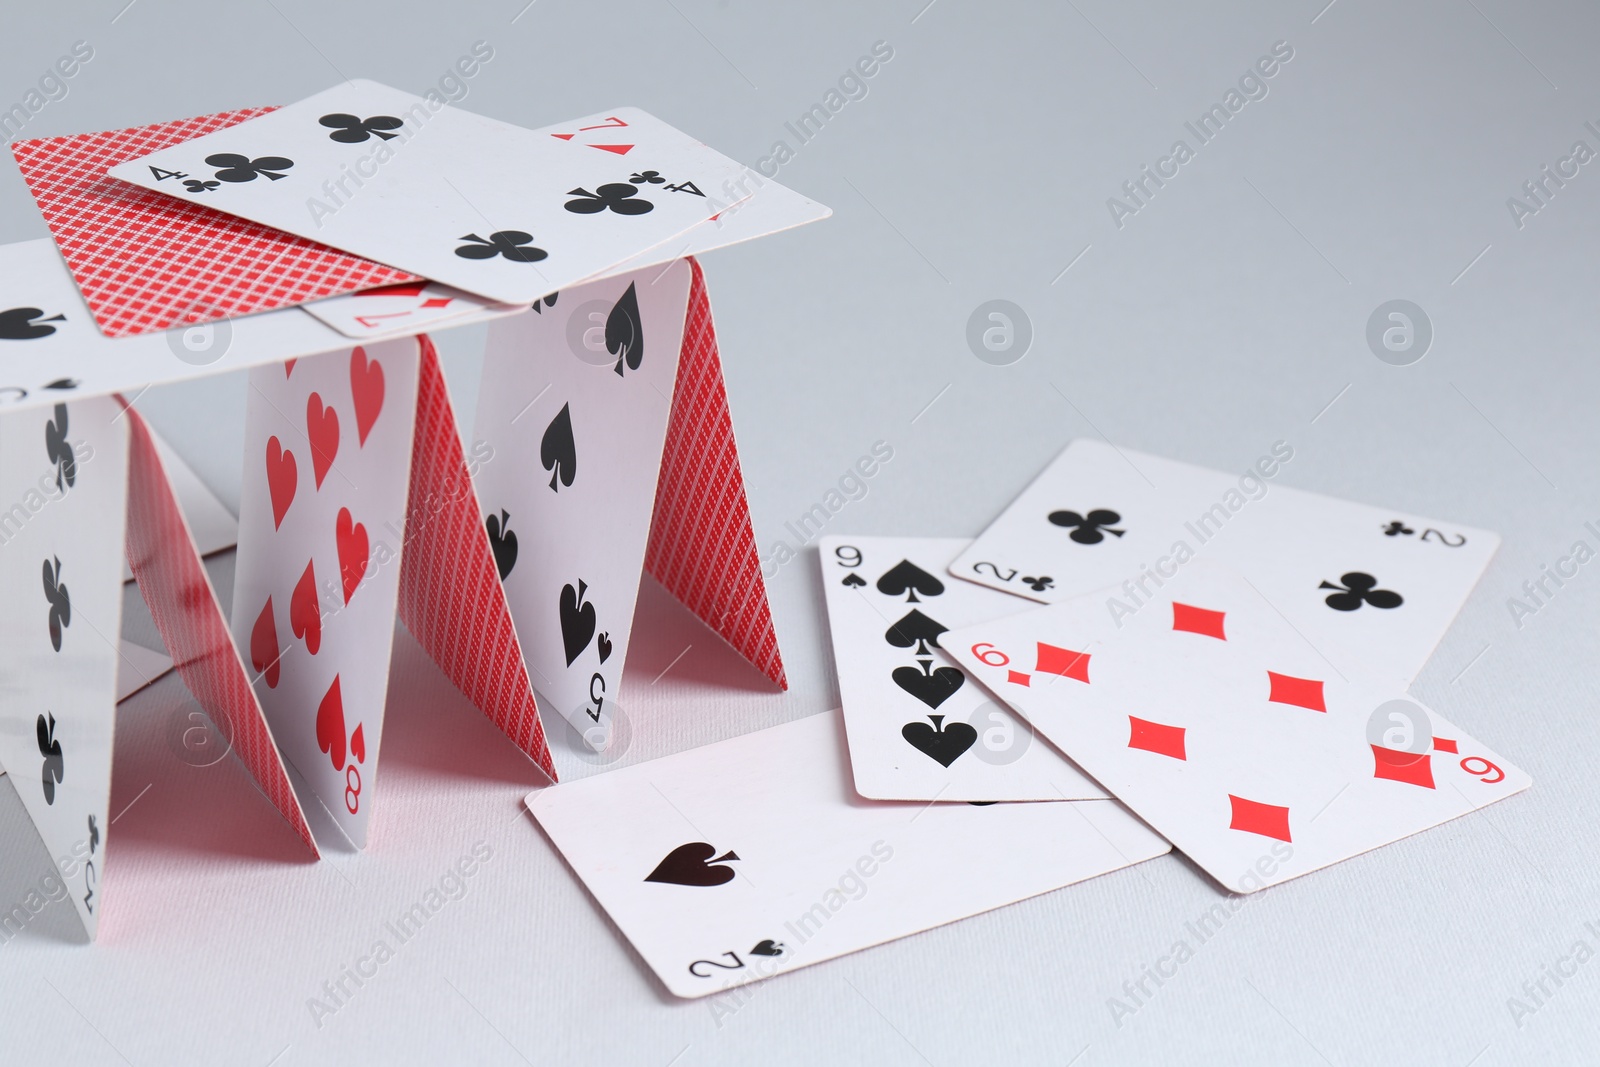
{"x": 310, "y": 245}
{"x": 1223, "y": 662}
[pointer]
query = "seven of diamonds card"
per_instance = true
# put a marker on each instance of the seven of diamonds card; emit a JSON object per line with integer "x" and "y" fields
{"x": 919, "y": 727}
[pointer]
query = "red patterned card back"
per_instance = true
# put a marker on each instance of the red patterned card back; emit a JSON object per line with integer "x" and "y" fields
{"x": 450, "y": 594}
{"x": 146, "y": 261}
{"x": 702, "y": 545}
{"x": 173, "y": 582}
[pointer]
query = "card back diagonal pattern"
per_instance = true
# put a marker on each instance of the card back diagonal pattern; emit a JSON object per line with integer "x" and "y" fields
{"x": 451, "y": 598}
{"x": 174, "y": 585}
{"x": 702, "y": 546}
{"x": 147, "y": 262}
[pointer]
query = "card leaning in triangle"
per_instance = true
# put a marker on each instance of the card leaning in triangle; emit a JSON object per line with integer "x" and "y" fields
{"x": 603, "y": 449}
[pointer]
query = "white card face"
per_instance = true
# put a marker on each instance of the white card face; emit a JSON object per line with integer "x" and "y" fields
{"x": 758, "y": 206}
{"x": 53, "y": 350}
{"x": 64, "y": 484}
{"x": 1220, "y": 726}
{"x": 773, "y": 208}
{"x": 321, "y": 524}
{"x": 404, "y": 308}
{"x": 508, "y": 213}
{"x": 1374, "y": 589}
{"x": 730, "y": 863}
{"x": 574, "y": 402}
{"x": 919, "y": 727}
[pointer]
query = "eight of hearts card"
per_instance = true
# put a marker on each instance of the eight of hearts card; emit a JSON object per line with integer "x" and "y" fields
{"x": 1375, "y": 589}
{"x": 507, "y": 213}
{"x": 919, "y": 727}
{"x": 322, "y": 519}
{"x": 1228, "y": 732}
{"x": 747, "y": 858}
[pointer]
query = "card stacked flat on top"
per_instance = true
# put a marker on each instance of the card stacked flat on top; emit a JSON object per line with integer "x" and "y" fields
{"x": 1230, "y": 732}
{"x": 146, "y": 262}
{"x": 507, "y": 213}
{"x": 1374, "y": 588}
{"x": 919, "y": 727}
{"x": 747, "y": 858}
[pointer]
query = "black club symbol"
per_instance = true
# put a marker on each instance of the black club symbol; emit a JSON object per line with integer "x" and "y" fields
{"x": 544, "y": 302}
{"x": 653, "y": 177}
{"x": 1089, "y": 529}
{"x": 53, "y": 770}
{"x": 1040, "y": 584}
{"x": 1396, "y": 528}
{"x": 512, "y": 244}
{"x": 237, "y": 168}
{"x": 617, "y": 196}
{"x": 1359, "y": 588}
{"x": 351, "y": 129}
{"x": 194, "y": 185}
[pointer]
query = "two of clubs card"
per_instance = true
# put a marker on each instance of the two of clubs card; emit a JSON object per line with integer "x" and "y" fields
{"x": 1220, "y": 667}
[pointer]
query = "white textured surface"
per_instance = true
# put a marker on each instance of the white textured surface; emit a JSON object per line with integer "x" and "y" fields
{"x": 1225, "y": 315}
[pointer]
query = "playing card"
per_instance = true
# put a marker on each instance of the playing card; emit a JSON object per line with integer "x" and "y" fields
{"x": 407, "y": 307}
{"x": 211, "y": 524}
{"x": 504, "y": 212}
{"x": 178, "y": 594}
{"x": 52, "y": 350}
{"x": 574, "y": 403}
{"x": 63, "y": 490}
{"x": 730, "y": 863}
{"x": 1373, "y": 589}
{"x": 758, "y": 206}
{"x": 1228, "y": 732}
{"x": 321, "y": 526}
{"x": 919, "y": 727}
{"x": 146, "y": 262}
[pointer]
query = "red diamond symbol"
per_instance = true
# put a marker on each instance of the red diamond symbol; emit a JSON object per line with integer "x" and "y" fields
{"x": 436, "y": 302}
{"x": 1401, "y": 766}
{"x": 1063, "y": 661}
{"x": 619, "y": 149}
{"x": 563, "y": 136}
{"x": 1198, "y": 620}
{"x": 1444, "y": 744}
{"x": 1156, "y": 737}
{"x": 1301, "y": 692}
{"x": 1017, "y": 678}
{"x": 1268, "y": 820}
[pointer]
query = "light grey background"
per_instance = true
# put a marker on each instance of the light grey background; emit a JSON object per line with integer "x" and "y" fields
{"x": 1228, "y": 313}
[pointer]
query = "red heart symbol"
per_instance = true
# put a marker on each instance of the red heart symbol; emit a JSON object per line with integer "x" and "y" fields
{"x": 264, "y": 645}
{"x": 322, "y": 426}
{"x": 283, "y": 474}
{"x": 330, "y": 725}
{"x": 366, "y": 388}
{"x": 288, "y": 367}
{"x": 358, "y": 744}
{"x": 351, "y": 537}
{"x": 304, "y": 617}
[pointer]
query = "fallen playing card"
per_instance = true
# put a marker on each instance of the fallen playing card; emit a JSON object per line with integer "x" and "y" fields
{"x": 1228, "y": 732}
{"x": 734, "y": 862}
